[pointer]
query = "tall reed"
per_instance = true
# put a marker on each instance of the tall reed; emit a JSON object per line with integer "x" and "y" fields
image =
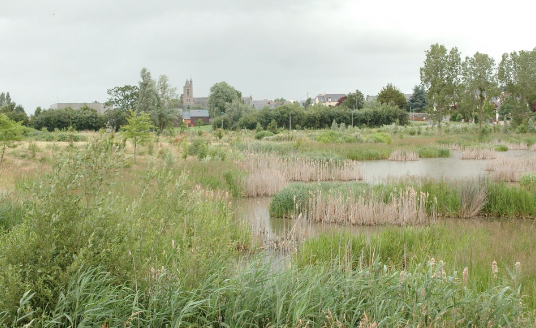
{"x": 476, "y": 153}
{"x": 404, "y": 155}
{"x": 511, "y": 169}
{"x": 268, "y": 174}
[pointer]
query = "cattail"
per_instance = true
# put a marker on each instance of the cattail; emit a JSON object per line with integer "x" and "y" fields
{"x": 465, "y": 274}
{"x": 172, "y": 243}
{"x": 518, "y": 268}
{"x": 432, "y": 262}
{"x": 494, "y": 269}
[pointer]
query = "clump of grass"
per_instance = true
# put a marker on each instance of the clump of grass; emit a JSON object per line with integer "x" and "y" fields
{"x": 433, "y": 152}
{"x": 528, "y": 180}
{"x": 501, "y": 147}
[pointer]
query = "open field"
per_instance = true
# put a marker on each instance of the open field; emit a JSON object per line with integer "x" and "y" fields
{"x": 88, "y": 237}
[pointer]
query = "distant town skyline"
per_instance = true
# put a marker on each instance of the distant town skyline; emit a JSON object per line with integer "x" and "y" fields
{"x": 62, "y": 51}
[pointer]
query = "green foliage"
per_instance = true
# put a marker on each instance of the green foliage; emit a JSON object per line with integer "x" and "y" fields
{"x": 10, "y": 131}
{"x": 147, "y": 100}
{"x": 84, "y": 118}
{"x": 262, "y": 134}
{"x": 433, "y": 152}
{"x": 418, "y": 101}
{"x": 380, "y": 137}
{"x": 334, "y": 126}
{"x": 441, "y": 76}
{"x": 123, "y": 98}
{"x": 272, "y": 127}
{"x": 138, "y": 129}
{"x": 501, "y": 147}
{"x": 391, "y": 94}
{"x": 354, "y": 100}
{"x": 221, "y": 95}
{"x": 528, "y": 180}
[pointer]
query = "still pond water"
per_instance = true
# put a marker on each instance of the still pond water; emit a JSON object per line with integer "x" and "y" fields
{"x": 279, "y": 234}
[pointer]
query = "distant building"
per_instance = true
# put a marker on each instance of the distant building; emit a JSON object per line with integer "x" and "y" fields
{"x": 188, "y": 99}
{"x": 99, "y": 107}
{"x": 260, "y": 104}
{"x": 190, "y": 117}
{"x": 329, "y": 99}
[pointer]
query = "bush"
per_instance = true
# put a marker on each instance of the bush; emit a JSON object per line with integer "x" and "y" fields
{"x": 262, "y": 134}
{"x": 501, "y": 147}
{"x": 528, "y": 180}
{"x": 380, "y": 137}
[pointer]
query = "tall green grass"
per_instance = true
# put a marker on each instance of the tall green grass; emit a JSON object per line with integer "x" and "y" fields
{"x": 328, "y": 295}
{"x": 458, "y": 243}
{"x": 93, "y": 211}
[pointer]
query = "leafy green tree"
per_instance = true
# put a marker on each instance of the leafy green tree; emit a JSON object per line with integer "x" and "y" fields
{"x": 222, "y": 122}
{"x": 236, "y": 109}
{"x": 163, "y": 118}
{"x": 124, "y": 97}
{"x": 354, "y": 100}
{"x": 390, "y": 93}
{"x": 221, "y": 94}
{"x": 166, "y": 93}
{"x": 308, "y": 103}
{"x": 272, "y": 127}
{"x": 10, "y": 131}
{"x": 147, "y": 96}
{"x": 279, "y": 99}
{"x": 441, "y": 76}
{"x": 116, "y": 118}
{"x": 517, "y": 75}
{"x": 480, "y": 80}
{"x": 418, "y": 101}
{"x": 138, "y": 129}
{"x": 2, "y": 99}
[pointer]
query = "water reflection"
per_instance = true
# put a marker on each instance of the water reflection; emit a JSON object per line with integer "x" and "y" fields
{"x": 453, "y": 167}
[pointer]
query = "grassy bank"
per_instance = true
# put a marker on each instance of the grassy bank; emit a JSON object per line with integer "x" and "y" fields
{"x": 459, "y": 244}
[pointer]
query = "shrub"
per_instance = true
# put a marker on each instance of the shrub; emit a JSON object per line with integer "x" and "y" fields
{"x": 262, "y": 134}
{"x": 528, "y": 180}
{"x": 380, "y": 137}
{"x": 501, "y": 147}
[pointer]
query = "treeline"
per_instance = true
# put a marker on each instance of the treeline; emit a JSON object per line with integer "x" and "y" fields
{"x": 84, "y": 118}
{"x": 294, "y": 116}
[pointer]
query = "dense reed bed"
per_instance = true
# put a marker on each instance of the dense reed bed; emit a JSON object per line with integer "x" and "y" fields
{"x": 359, "y": 203}
{"x": 478, "y": 153}
{"x": 511, "y": 169}
{"x": 268, "y": 174}
{"x": 402, "y": 155}
{"x": 458, "y": 244}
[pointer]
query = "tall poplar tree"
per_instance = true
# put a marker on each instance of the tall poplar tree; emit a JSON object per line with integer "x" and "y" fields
{"x": 147, "y": 94}
{"x": 480, "y": 81}
{"x": 517, "y": 75}
{"x": 441, "y": 76}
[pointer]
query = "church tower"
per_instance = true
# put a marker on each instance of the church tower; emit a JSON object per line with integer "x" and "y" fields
{"x": 187, "y": 96}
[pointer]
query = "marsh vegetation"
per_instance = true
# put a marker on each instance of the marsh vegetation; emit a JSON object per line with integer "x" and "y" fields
{"x": 88, "y": 237}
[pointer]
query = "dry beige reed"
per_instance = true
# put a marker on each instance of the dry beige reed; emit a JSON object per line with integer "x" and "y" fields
{"x": 405, "y": 207}
{"x": 403, "y": 155}
{"x": 471, "y": 153}
{"x": 510, "y": 169}
{"x": 269, "y": 174}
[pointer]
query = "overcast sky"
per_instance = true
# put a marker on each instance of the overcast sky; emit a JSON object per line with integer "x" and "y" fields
{"x": 73, "y": 51}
